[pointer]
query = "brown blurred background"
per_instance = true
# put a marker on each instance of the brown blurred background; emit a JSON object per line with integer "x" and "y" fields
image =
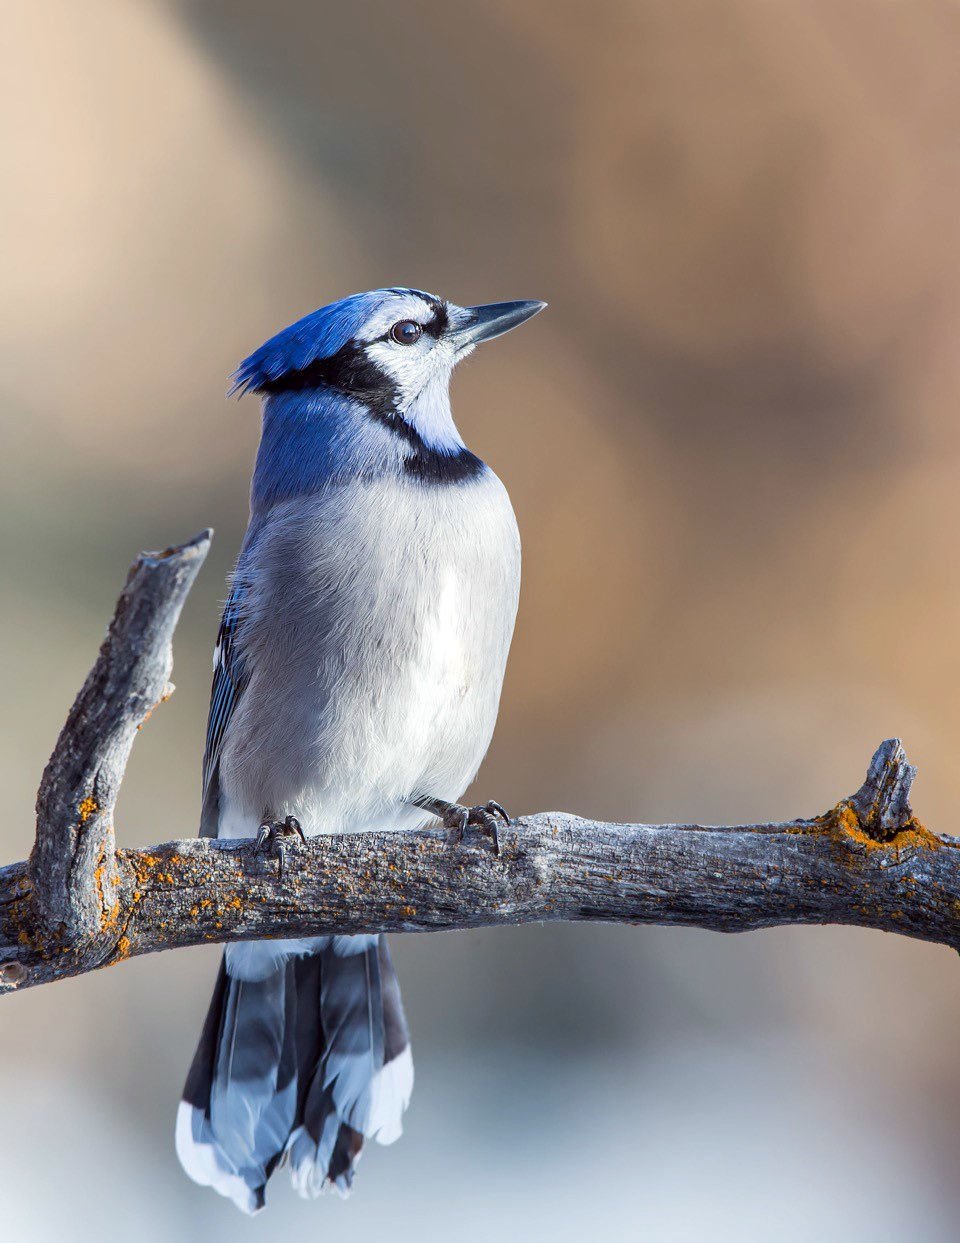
{"x": 733, "y": 445}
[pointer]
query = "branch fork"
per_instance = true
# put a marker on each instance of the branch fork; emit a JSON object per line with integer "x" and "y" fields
{"x": 80, "y": 902}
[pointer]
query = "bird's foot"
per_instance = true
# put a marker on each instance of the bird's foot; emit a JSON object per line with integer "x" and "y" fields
{"x": 458, "y": 819}
{"x": 273, "y": 837}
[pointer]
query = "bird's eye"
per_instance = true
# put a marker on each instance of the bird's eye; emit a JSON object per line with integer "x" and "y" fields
{"x": 407, "y": 332}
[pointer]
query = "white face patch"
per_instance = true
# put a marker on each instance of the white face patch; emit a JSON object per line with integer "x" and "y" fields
{"x": 421, "y": 371}
{"x": 418, "y": 372}
{"x": 430, "y": 415}
{"x": 412, "y": 367}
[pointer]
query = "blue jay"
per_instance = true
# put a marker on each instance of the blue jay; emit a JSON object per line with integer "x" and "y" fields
{"x": 357, "y": 677}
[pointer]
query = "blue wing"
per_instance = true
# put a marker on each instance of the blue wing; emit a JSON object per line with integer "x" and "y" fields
{"x": 228, "y": 683}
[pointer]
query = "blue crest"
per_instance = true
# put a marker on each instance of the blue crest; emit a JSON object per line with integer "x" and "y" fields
{"x": 318, "y": 335}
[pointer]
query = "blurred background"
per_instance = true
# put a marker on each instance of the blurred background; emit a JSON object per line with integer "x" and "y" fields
{"x": 733, "y": 446}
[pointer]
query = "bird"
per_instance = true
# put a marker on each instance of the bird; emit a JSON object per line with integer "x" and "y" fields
{"x": 357, "y": 678}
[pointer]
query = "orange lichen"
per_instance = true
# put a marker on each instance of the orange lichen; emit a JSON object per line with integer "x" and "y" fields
{"x": 109, "y": 908}
{"x": 911, "y": 836}
{"x": 110, "y": 917}
{"x": 143, "y": 865}
{"x": 167, "y": 692}
{"x": 87, "y": 808}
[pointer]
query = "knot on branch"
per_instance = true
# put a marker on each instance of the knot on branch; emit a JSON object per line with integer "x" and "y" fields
{"x": 882, "y": 804}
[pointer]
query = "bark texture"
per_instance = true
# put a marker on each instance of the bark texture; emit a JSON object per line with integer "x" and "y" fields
{"x": 81, "y": 903}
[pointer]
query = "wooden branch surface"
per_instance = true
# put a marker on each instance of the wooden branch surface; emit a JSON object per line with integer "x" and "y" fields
{"x": 81, "y": 903}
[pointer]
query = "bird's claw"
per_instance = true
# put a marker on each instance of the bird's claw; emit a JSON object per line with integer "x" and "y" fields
{"x": 496, "y": 809}
{"x": 273, "y": 836}
{"x": 483, "y": 817}
{"x": 457, "y": 819}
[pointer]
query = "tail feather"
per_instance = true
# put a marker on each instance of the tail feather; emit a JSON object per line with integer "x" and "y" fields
{"x": 351, "y": 1010}
{"x": 250, "y": 1107}
{"x": 300, "y": 1064}
{"x": 393, "y": 1082}
{"x": 311, "y": 1144}
{"x": 201, "y": 1153}
{"x": 343, "y": 1162}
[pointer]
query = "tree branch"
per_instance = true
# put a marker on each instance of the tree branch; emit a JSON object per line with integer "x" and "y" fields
{"x": 81, "y": 903}
{"x": 73, "y": 867}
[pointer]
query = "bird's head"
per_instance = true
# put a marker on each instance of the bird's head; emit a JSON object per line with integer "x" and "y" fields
{"x": 391, "y": 350}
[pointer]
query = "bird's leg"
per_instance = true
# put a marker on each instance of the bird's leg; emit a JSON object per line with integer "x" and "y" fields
{"x": 272, "y": 838}
{"x": 457, "y": 818}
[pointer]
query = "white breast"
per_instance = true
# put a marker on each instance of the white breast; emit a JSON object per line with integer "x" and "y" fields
{"x": 442, "y": 659}
{"x": 378, "y": 642}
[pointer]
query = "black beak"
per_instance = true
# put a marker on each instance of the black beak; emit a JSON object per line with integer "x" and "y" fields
{"x": 492, "y": 320}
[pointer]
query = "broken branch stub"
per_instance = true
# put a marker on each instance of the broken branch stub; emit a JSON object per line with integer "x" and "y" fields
{"x": 73, "y": 866}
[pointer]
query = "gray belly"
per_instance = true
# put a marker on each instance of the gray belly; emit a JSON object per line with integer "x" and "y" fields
{"x": 376, "y": 643}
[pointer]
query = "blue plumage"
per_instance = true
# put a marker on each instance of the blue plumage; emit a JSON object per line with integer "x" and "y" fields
{"x": 308, "y": 439}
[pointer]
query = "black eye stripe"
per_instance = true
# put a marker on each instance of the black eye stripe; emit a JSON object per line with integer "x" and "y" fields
{"x": 437, "y": 322}
{"x": 350, "y": 371}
